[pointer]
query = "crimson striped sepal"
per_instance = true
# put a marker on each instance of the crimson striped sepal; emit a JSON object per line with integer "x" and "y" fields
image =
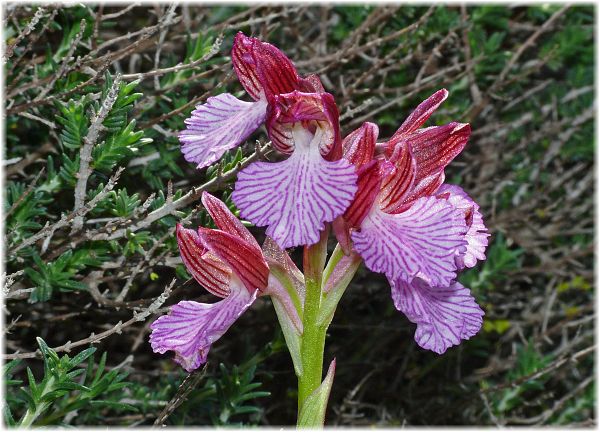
{"x": 358, "y": 146}
{"x": 245, "y": 259}
{"x": 477, "y": 234}
{"x": 204, "y": 266}
{"x": 368, "y": 188}
{"x": 397, "y": 185}
{"x": 435, "y": 147}
{"x": 421, "y": 241}
{"x": 420, "y": 115}
{"x": 221, "y": 124}
{"x": 225, "y": 220}
{"x": 445, "y": 315}
{"x": 262, "y": 68}
{"x": 191, "y": 328}
{"x": 315, "y": 113}
{"x": 294, "y": 198}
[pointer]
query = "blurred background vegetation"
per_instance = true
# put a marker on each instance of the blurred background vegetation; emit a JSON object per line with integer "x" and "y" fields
{"x": 91, "y": 89}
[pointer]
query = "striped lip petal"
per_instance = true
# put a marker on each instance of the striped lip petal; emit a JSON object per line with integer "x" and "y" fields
{"x": 262, "y": 68}
{"x": 359, "y": 145}
{"x": 420, "y": 115}
{"x": 398, "y": 184}
{"x": 244, "y": 259}
{"x": 477, "y": 235}
{"x": 204, "y": 266}
{"x": 191, "y": 328}
{"x": 294, "y": 198}
{"x": 225, "y": 220}
{"x": 422, "y": 241}
{"x": 444, "y": 315}
{"x": 435, "y": 147}
{"x": 222, "y": 123}
{"x": 314, "y": 111}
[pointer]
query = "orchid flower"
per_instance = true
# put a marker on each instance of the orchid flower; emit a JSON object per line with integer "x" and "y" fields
{"x": 406, "y": 224}
{"x": 229, "y": 263}
{"x": 296, "y": 197}
{"x": 224, "y": 121}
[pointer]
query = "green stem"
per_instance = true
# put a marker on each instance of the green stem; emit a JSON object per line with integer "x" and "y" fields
{"x": 313, "y": 335}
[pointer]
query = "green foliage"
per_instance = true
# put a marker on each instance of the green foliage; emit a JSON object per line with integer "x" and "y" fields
{"x": 64, "y": 389}
{"x": 500, "y": 260}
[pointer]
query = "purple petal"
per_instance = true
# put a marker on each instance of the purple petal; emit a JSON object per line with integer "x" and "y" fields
{"x": 191, "y": 327}
{"x": 221, "y": 124}
{"x": 477, "y": 235}
{"x": 444, "y": 316}
{"x": 295, "y": 198}
{"x": 422, "y": 241}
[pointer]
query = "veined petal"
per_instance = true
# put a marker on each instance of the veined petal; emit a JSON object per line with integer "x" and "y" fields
{"x": 424, "y": 188}
{"x": 420, "y": 115}
{"x": 421, "y": 241}
{"x": 204, "y": 266}
{"x": 294, "y": 198}
{"x": 477, "y": 235}
{"x": 434, "y": 148}
{"x": 359, "y": 145}
{"x": 191, "y": 327}
{"x": 368, "y": 187}
{"x": 225, "y": 220}
{"x": 398, "y": 184}
{"x": 262, "y": 68}
{"x": 244, "y": 259}
{"x": 317, "y": 114}
{"x": 444, "y": 315}
{"x": 222, "y": 123}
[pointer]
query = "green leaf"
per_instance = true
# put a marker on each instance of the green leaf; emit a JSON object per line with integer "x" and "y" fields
{"x": 313, "y": 410}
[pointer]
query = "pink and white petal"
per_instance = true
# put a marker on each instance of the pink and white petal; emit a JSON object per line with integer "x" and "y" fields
{"x": 191, "y": 328}
{"x": 397, "y": 185}
{"x": 477, "y": 234}
{"x": 225, "y": 220}
{"x": 222, "y": 123}
{"x": 420, "y": 115}
{"x": 294, "y": 198}
{"x": 435, "y": 147}
{"x": 422, "y": 241}
{"x": 245, "y": 260}
{"x": 359, "y": 145}
{"x": 204, "y": 266}
{"x": 445, "y": 316}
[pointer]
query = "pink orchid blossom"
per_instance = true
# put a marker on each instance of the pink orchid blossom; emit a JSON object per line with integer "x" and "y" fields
{"x": 229, "y": 263}
{"x": 406, "y": 224}
{"x": 294, "y": 198}
{"x": 224, "y": 121}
